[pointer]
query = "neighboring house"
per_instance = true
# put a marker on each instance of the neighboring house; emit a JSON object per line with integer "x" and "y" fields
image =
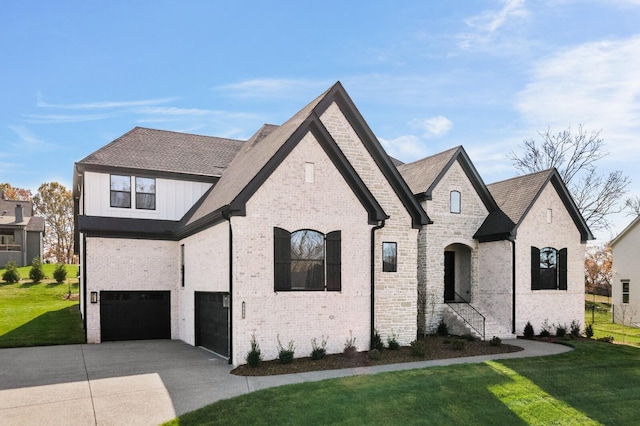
{"x": 20, "y": 232}
{"x": 626, "y": 274}
{"x": 496, "y": 256}
{"x": 309, "y": 230}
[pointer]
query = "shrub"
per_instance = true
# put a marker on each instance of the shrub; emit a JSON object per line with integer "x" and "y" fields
{"x": 11, "y": 274}
{"x": 418, "y": 348}
{"x": 545, "y": 329}
{"x": 606, "y": 339}
{"x": 495, "y": 341}
{"x": 375, "y": 354}
{"x": 376, "y": 342}
{"x": 254, "y": 356}
{"x": 588, "y": 331}
{"x": 528, "y": 331}
{"x": 36, "y": 273}
{"x": 318, "y": 352}
{"x": 60, "y": 273}
{"x": 575, "y": 328}
{"x": 285, "y": 355}
{"x": 443, "y": 330}
{"x": 561, "y": 330}
{"x": 392, "y": 342}
{"x": 470, "y": 337}
{"x": 350, "y": 348}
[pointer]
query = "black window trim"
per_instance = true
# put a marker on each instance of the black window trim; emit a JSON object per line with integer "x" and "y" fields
{"x": 560, "y": 281}
{"x": 112, "y": 191}
{"x": 145, "y": 193}
{"x": 390, "y": 266}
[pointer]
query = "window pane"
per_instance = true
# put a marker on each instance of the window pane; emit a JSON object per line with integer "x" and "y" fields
{"x": 307, "y": 275}
{"x": 120, "y": 183}
{"x": 389, "y": 257}
{"x": 307, "y": 245}
{"x": 455, "y": 201}
{"x": 145, "y": 185}
{"x": 548, "y": 258}
{"x": 145, "y": 201}
{"x": 120, "y": 199}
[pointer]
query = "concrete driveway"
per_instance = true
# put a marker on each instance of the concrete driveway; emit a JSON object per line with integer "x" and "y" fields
{"x": 149, "y": 382}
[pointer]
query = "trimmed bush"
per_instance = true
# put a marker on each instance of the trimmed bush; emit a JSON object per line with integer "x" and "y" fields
{"x": 375, "y": 354}
{"x": 11, "y": 274}
{"x": 588, "y": 331}
{"x": 376, "y": 342}
{"x": 392, "y": 342}
{"x": 36, "y": 273}
{"x": 546, "y": 330}
{"x": 443, "y": 330}
{"x": 561, "y": 330}
{"x": 350, "y": 349}
{"x": 254, "y": 356}
{"x": 60, "y": 273}
{"x": 528, "y": 331}
{"x": 575, "y": 328}
{"x": 318, "y": 352}
{"x": 495, "y": 341}
{"x": 285, "y": 355}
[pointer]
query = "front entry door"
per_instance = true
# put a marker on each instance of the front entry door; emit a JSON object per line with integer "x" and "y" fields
{"x": 449, "y": 276}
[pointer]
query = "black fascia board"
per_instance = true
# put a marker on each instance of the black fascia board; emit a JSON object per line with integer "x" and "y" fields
{"x": 572, "y": 208}
{"x": 365, "y": 134}
{"x": 94, "y": 226}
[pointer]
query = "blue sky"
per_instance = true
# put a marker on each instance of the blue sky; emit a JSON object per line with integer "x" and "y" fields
{"x": 426, "y": 76}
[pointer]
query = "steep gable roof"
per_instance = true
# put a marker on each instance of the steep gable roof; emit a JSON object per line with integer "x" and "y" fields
{"x": 423, "y": 175}
{"x": 517, "y": 195}
{"x": 262, "y": 154}
{"x": 165, "y": 151}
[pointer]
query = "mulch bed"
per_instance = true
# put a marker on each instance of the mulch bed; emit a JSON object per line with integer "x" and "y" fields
{"x": 437, "y": 347}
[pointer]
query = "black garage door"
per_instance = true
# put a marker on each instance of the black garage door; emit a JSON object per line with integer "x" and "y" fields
{"x": 212, "y": 322}
{"x": 135, "y": 315}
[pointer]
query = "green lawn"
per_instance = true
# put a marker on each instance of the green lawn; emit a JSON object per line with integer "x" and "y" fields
{"x": 601, "y": 317}
{"x": 36, "y": 314}
{"x": 597, "y": 383}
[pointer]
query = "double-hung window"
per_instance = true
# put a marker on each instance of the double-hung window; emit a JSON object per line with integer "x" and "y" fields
{"x": 307, "y": 260}
{"x": 145, "y": 193}
{"x": 548, "y": 269}
{"x": 625, "y": 291}
{"x": 121, "y": 191}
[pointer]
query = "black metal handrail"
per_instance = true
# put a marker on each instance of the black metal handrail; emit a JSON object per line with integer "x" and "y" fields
{"x": 470, "y": 315}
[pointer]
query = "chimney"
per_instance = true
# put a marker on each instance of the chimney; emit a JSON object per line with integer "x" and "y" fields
{"x": 19, "y": 217}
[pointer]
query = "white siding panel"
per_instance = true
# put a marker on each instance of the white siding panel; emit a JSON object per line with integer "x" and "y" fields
{"x": 173, "y": 198}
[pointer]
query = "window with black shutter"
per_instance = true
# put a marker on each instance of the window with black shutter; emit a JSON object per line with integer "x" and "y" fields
{"x": 307, "y": 260}
{"x": 548, "y": 268}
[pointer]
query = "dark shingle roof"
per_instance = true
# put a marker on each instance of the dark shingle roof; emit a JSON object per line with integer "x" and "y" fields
{"x": 516, "y": 195}
{"x": 166, "y": 151}
{"x": 422, "y": 174}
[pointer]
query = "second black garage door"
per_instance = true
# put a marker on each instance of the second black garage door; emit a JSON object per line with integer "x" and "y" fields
{"x": 212, "y": 321}
{"x": 135, "y": 315}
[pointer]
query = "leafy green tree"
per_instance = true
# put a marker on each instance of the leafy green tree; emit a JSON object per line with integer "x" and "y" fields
{"x": 60, "y": 273}
{"x": 36, "y": 273}
{"x": 54, "y": 203}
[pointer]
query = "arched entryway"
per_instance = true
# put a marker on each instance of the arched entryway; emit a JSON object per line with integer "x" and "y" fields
{"x": 457, "y": 273}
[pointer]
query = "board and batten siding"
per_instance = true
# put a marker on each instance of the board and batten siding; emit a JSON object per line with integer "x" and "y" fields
{"x": 173, "y": 198}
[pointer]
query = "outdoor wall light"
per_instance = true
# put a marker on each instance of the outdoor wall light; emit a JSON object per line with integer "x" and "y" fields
{"x": 94, "y": 297}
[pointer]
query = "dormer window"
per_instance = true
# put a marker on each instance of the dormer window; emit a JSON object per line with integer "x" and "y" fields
{"x": 454, "y": 201}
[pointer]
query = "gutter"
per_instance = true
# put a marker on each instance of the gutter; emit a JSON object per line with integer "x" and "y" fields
{"x": 373, "y": 280}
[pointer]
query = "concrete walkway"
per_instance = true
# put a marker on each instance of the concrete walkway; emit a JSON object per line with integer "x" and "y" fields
{"x": 150, "y": 382}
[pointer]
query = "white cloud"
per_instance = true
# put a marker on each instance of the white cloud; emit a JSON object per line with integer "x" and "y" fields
{"x": 102, "y": 105}
{"x": 270, "y": 87}
{"x": 434, "y": 126}
{"x": 66, "y": 118}
{"x": 485, "y": 26}
{"x": 28, "y": 141}
{"x": 405, "y": 148}
{"x": 595, "y": 84}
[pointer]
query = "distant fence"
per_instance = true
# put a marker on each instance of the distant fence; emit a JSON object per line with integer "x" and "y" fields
{"x": 598, "y": 314}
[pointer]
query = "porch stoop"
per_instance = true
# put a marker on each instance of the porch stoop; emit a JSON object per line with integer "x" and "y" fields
{"x": 458, "y": 326}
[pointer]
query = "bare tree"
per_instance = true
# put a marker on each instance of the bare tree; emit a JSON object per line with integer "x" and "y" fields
{"x": 598, "y": 270}
{"x": 632, "y": 204}
{"x": 54, "y": 203}
{"x": 575, "y": 156}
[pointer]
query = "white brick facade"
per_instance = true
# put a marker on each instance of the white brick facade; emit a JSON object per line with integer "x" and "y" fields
{"x": 556, "y": 306}
{"x": 130, "y": 265}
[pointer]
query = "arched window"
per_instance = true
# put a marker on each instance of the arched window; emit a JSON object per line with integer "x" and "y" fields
{"x": 307, "y": 260}
{"x": 454, "y": 201}
{"x": 548, "y": 268}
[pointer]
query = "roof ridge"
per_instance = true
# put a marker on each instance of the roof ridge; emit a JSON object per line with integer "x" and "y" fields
{"x": 550, "y": 171}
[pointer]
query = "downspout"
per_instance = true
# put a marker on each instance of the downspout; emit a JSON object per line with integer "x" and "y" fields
{"x": 373, "y": 280}
{"x": 513, "y": 284}
{"x": 83, "y": 275}
{"x": 227, "y": 216}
